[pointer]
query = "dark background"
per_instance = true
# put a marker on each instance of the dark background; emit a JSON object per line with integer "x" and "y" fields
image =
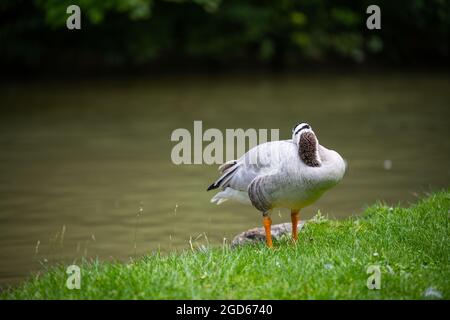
{"x": 150, "y": 35}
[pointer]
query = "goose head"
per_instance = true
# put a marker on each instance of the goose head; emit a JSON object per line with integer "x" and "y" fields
{"x": 308, "y": 145}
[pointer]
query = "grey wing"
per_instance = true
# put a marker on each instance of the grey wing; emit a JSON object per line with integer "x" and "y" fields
{"x": 259, "y": 192}
{"x": 262, "y": 160}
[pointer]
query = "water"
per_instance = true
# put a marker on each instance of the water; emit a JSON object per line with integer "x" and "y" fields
{"x": 87, "y": 156}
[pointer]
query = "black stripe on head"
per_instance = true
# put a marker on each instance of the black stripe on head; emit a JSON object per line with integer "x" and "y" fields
{"x": 305, "y": 126}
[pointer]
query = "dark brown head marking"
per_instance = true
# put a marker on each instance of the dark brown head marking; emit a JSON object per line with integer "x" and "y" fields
{"x": 308, "y": 149}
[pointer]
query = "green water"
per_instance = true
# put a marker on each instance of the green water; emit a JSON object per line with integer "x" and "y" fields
{"x": 85, "y": 156}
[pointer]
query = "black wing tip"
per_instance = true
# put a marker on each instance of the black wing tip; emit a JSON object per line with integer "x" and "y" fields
{"x": 213, "y": 186}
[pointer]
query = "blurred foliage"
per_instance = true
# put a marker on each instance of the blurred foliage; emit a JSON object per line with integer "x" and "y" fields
{"x": 222, "y": 32}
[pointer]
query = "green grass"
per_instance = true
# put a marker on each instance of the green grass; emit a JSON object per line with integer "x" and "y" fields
{"x": 410, "y": 245}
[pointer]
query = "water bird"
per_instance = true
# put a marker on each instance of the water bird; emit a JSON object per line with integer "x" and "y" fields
{"x": 289, "y": 174}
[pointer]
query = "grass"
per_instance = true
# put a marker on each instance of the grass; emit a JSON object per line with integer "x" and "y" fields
{"x": 410, "y": 246}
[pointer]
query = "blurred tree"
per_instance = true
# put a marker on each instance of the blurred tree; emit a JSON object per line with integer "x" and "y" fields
{"x": 136, "y": 33}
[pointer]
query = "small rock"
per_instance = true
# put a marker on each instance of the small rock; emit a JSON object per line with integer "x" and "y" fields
{"x": 259, "y": 235}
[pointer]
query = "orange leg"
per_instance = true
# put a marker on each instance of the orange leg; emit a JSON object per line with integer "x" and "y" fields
{"x": 267, "y": 223}
{"x": 295, "y": 219}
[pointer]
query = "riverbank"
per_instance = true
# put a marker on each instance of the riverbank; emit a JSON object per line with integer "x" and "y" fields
{"x": 410, "y": 246}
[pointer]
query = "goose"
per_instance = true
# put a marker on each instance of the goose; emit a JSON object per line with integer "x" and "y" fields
{"x": 281, "y": 174}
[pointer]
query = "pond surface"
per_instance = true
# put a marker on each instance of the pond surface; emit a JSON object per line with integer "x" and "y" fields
{"x": 79, "y": 159}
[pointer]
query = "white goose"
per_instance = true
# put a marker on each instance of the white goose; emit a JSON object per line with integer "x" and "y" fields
{"x": 289, "y": 173}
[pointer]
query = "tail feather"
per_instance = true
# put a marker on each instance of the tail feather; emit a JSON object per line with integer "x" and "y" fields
{"x": 219, "y": 198}
{"x": 227, "y": 165}
{"x": 229, "y": 193}
{"x": 224, "y": 179}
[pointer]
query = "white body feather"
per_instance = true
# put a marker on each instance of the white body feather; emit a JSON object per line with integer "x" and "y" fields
{"x": 289, "y": 182}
